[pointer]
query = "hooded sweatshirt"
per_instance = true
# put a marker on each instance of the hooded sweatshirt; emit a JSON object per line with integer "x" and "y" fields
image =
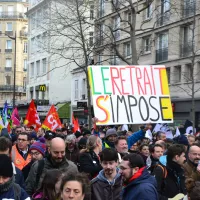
{"x": 141, "y": 188}
{"x": 104, "y": 189}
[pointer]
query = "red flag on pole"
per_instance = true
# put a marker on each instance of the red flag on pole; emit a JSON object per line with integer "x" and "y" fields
{"x": 75, "y": 123}
{"x": 32, "y": 117}
{"x": 52, "y": 120}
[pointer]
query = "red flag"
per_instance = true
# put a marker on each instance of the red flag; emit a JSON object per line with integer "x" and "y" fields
{"x": 75, "y": 123}
{"x": 32, "y": 117}
{"x": 52, "y": 120}
{"x": 15, "y": 117}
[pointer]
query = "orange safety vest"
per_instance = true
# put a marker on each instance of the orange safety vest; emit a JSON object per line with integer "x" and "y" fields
{"x": 18, "y": 160}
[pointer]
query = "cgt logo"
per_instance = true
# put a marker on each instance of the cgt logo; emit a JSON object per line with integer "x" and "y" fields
{"x": 42, "y": 88}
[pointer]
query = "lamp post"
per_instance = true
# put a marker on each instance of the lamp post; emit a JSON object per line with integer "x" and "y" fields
{"x": 15, "y": 59}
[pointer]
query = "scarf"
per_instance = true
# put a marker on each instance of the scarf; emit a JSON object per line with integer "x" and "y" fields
{"x": 6, "y": 186}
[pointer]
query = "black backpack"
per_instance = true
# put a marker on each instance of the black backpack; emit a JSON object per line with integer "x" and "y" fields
{"x": 17, "y": 191}
{"x": 39, "y": 172}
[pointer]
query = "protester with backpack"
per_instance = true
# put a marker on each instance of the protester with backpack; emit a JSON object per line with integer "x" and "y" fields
{"x": 55, "y": 160}
{"x": 8, "y": 188}
{"x": 171, "y": 179}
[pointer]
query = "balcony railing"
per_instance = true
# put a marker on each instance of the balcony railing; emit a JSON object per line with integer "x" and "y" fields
{"x": 11, "y": 15}
{"x": 161, "y": 55}
{"x": 8, "y": 50}
{"x": 10, "y": 88}
{"x": 162, "y": 19}
{"x": 189, "y": 9}
{"x": 8, "y": 69}
{"x": 9, "y": 33}
{"x": 186, "y": 49}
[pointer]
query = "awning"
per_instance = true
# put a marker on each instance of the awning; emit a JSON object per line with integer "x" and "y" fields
{"x": 64, "y": 110}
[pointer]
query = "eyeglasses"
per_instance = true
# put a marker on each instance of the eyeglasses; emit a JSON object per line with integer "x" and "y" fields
{"x": 35, "y": 153}
{"x": 21, "y": 140}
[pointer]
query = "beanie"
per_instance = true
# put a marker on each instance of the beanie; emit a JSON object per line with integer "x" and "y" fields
{"x": 33, "y": 135}
{"x": 110, "y": 132}
{"x": 181, "y": 139}
{"x": 38, "y": 146}
{"x": 86, "y": 132}
{"x": 6, "y": 168}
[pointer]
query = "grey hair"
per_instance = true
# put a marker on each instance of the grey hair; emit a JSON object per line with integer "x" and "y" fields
{"x": 92, "y": 142}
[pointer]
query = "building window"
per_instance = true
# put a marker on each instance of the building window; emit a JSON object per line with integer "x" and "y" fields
{"x": 37, "y": 94}
{"x": 32, "y": 70}
{"x": 24, "y": 83}
{"x": 9, "y": 44}
{"x": 8, "y": 80}
{"x": 165, "y": 7}
{"x": 100, "y": 34}
{"x": 147, "y": 44}
{"x": 44, "y": 65}
{"x": 9, "y": 26}
{"x": 76, "y": 90}
{"x": 168, "y": 74}
{"x": 25, "y": 47}
{"x": 189, "y": 8}
{"x": 91, "y": 12}
{"x": 101, "y": 8}
{"x": 162, "y": 47}
{"x": 84, "y": 88}
{"x": 128, "y": 49}
{"x": 100, "y": 59}
{"x": 177, "y": 74}
{"x": 116, "y": 26}
{"x": 91, "y": 34}
{"x": 188, "y": 72}
{"x": 129, "y": 17}
{"x": 25, "y": 64}
{"x": 148, "y": 11}
{"x": 10, "y": 10}
{"x": 38, "y": 67}
{"x": 31, "y": 94}
{"x": 8, "y": 63}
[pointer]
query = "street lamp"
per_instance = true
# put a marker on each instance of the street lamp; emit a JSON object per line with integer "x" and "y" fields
{"x": 15, "y": 58}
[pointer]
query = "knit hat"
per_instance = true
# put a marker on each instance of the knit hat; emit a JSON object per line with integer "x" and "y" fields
{"x": 86, "y": 132}
{"x": 110, "y": 132}
{"x": 6, "y": 168}
{"x": 82, "y": 142}
{"x": 78, "y": 134}
{"x": 38, "y": 146}
{"x": 33, "y": 135}
{"x": 181, "y": 139}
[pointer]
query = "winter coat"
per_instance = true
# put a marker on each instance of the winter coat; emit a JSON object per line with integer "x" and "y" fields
{"x": 9, "y": 194}
{"x": 101, "y": 188}
{"x": 191, "y": 170}
{"x": 73, "y": 156}
{"x": 65, "y": 166}
{"x": 90, "y": 164}
{"x": 154, "y": 163}
{"x": 132, "y": 139}
{"x": 173, "y": 184}
{"x": 142, "y": 188}
{"x": 19, "y": 178}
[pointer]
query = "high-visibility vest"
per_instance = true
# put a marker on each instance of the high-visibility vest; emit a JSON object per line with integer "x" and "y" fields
{"x": 18, "y": 160}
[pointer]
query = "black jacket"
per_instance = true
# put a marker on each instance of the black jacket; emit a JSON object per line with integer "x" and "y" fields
{"x": 173, "y": 184}
{"x": 154, "y": 162}
{"x": 102, "y": 189}
{"x": 89, "y": 163}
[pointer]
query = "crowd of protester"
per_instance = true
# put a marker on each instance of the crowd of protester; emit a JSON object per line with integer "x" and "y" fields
{"x": 105, "y": 163}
